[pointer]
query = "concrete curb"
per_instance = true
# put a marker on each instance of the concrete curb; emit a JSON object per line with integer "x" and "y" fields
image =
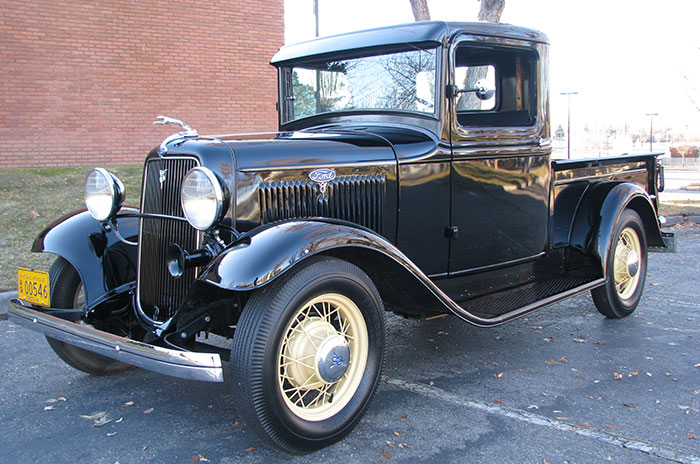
{"x": 675, "y": 220}
{"x": 4, "y": 303}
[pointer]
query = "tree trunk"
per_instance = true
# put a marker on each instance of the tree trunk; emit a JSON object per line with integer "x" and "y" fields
{"x": 420, "y": 10}
{"x": 490, "y": 10}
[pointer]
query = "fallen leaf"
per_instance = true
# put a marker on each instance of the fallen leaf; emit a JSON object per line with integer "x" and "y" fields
{"x": 200, "y": 458}
{"x": 236, "y": 424}
{"x": 102, "y": 421}
{"x": 608, "y": 458}
{"x": 403, "y": 417}
{"x": 499, "y": 375}
{"x": 99, "y": 418}
{"x": 33, "y": 214}
{"x": 585, "y": 425}
{"x": 119, "y": 420}
{"x": 533, "y": 406}
{"x": 544, "y": 394}
{"x": 149, "y": 410}
{"x": 563, "y": 359}
{"x": 562, "y": 418}
{"x": 248, "y": 450}
{"x": 653, "y": 284}
{"x": 629, "y": 405}
{"x": 497, "y": 401}
{"x": 617, "y": 376}
{"x": 397, "y": 434}
{"x": 611, "y": 427}
{"x": 111, "y": 434}
{"x": 431, "y": 383}
{"x": 550, "y": 362}
{"x": 632, "y": 374}
{"x": 598, "y": 342}
{"x": 49, "y": 408}
{"x": 579, "y": 340}
{"x": 385, "y": 455}
{"x": 390, "y": 444}
{"x": 692, "y": 436}
{"x": 589, "y": 397}
{"x": 61, "y": 398}
{"x": 404, "y": 445}
{"x": 128, "y": 404}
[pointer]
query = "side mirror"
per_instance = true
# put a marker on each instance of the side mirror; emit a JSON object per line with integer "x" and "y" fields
{"x": 482, "y": 91}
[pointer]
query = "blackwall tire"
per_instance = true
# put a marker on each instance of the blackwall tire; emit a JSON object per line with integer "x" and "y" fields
{"x": 66, "y": 290}
{"x": 307, "y": 355}
{"x": 626, "y": 269}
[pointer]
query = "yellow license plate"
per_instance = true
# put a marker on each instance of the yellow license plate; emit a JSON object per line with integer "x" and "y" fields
{"x": 33, "y": 286}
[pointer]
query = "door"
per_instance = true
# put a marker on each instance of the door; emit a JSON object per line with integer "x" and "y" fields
{"x": 500, "y": 172}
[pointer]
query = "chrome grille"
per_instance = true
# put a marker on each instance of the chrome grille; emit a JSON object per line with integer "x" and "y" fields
{"x": 358, "y": 199}
{"x": 159, "y": 293}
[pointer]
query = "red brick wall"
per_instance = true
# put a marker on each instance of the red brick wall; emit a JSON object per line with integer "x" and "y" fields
{"x": 81, "y": 81}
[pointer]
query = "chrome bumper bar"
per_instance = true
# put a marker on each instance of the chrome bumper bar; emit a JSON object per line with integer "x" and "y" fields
{"x": 184, "y": 364}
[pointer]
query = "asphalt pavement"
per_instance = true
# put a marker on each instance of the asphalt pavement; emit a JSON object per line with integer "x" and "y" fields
{"x": 562, "y": 385}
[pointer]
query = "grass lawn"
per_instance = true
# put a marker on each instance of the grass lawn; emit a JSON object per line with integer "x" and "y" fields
{"x": 32, "y": 199}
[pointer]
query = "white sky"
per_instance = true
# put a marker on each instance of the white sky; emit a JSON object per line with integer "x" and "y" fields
{"x": 623, "y": 57}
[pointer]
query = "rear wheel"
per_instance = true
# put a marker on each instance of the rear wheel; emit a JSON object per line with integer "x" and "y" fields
{"x": 307, "y": 355}
{"x": 67, "y": 292}
{"x": 626, "y": 269}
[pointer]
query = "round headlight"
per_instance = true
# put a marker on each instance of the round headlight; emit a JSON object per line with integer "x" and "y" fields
{"x": 203, "y": 197}
{"x": 104, "y": 194}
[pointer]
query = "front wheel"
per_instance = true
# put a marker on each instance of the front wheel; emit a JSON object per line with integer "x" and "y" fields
{"x": 626, "y": 268}
{"x": 307, "y": 355}
{"x": 67, "y": 292}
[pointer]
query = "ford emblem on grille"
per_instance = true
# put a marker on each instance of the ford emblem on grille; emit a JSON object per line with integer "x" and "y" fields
{"x": 322, "y": 175}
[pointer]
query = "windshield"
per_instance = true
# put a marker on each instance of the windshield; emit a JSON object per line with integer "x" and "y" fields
{"x": 402, "y": 81}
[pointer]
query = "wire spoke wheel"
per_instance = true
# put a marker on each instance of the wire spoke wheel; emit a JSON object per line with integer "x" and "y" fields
{"x": 626, "y": 268}
{"x": 322, "y": 356}
{"x": 308, "y": 353}
{"x": 626, "y": 263}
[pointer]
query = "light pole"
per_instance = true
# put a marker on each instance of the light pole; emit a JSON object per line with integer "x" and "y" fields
{"x": 651, "y": 130}
{"x": 568, "y": 129}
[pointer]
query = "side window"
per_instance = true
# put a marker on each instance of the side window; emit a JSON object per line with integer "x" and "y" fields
{"x": 495, "y": 87}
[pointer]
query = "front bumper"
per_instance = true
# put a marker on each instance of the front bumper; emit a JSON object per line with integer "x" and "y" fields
{"x": 184, "y": 364}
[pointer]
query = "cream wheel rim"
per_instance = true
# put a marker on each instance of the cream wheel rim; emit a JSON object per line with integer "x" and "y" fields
{"x": 626, "y": 263}
{"x": 322, "y": 356}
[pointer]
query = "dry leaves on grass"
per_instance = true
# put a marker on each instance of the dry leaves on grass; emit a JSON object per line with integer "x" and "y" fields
{"x": 691, "y": 436}
{"x": 128, "y": 404}
{"x": 385, "y": 455}
{"x": 499, "y": 375}
{"x": 149, "y": 410}
{"x": 248, "y": 450}
{"x": 200, "y": 458}
{"x": 617, "y": 376}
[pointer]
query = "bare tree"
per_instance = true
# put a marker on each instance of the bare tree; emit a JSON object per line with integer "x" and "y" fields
{"x": 420, "y": 10}
{"x": 491, "y": 10}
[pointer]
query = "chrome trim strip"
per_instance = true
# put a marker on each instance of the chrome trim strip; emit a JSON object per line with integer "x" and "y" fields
{"x": 609, "y": 176}
{"x": 184, "y": 364}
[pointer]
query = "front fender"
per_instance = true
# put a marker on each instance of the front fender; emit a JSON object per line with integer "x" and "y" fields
{"x": 600, "y": 211}
{"x": 103, "y": 262}
{"x": 269, "y": 251}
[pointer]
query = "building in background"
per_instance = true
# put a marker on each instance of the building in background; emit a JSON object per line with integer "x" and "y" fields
{"x": 82, "y": 81}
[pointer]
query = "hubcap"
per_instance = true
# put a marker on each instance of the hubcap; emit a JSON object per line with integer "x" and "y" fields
{"x": 626, "y": 264}
{"x": 322, "y": 356}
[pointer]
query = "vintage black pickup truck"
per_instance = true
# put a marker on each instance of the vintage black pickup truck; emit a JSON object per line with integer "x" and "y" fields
{"x": 411, "y": 173}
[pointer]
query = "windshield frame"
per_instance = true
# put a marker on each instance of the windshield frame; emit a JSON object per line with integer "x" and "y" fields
{"x": 285, "y": 75}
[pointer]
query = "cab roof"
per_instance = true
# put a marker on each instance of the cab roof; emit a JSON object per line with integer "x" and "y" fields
{"x": 426, "y": 33}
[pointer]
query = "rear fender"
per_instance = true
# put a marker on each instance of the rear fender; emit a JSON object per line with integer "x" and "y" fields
{"x": 599, "y": 212}
{"x": 105, "y": 264}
